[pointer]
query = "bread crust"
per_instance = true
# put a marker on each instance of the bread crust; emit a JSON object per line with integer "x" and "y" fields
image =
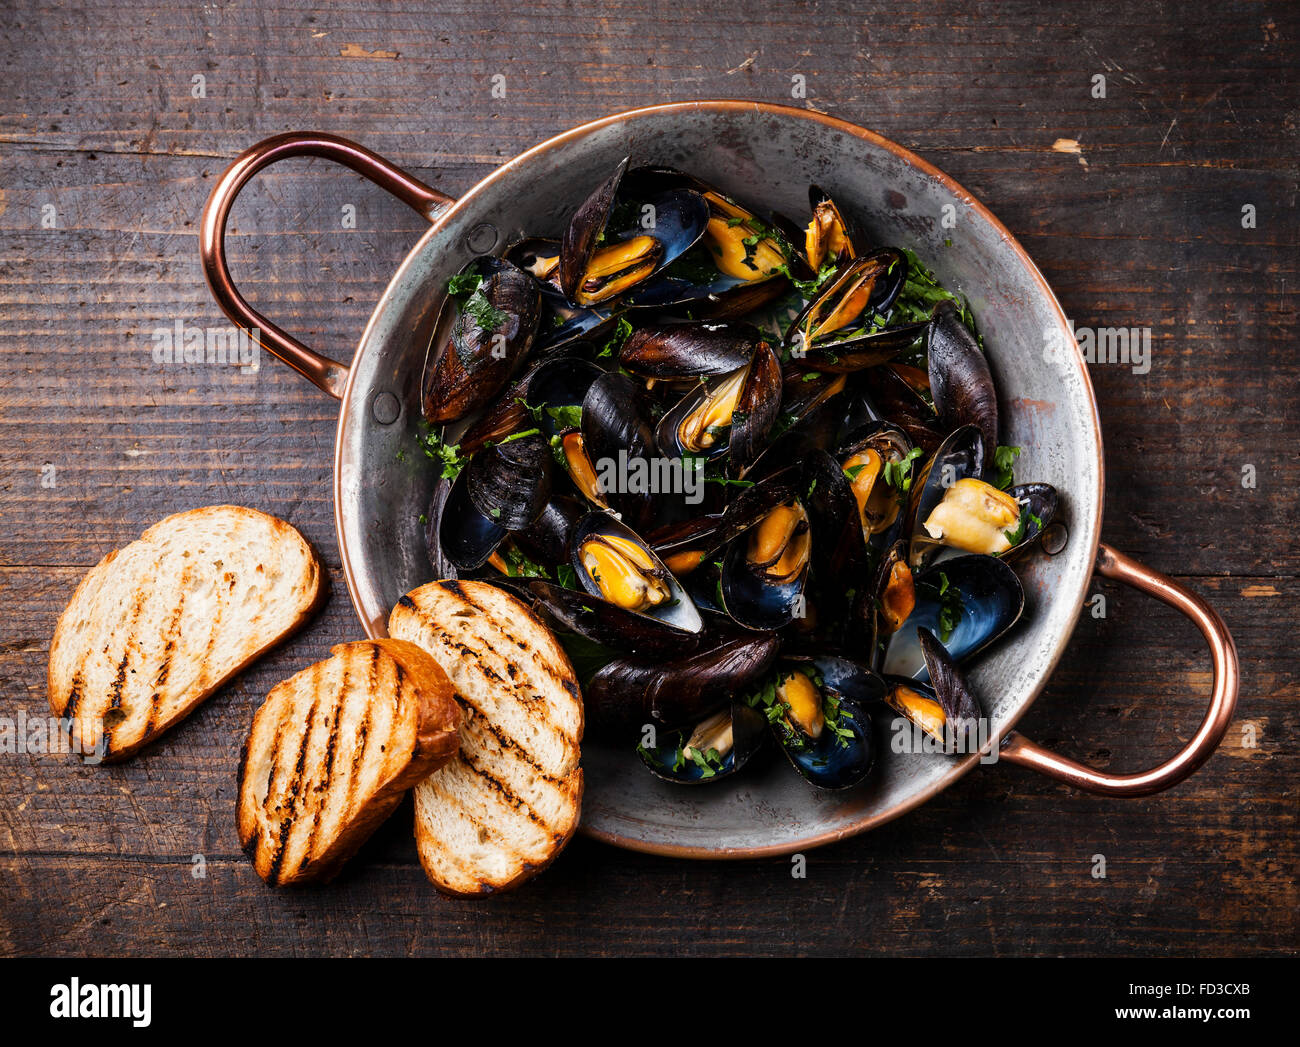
{"x": 433, "y": 729}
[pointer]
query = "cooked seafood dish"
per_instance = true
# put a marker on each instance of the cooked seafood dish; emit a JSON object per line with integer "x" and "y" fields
{"x": 746, "y": 466}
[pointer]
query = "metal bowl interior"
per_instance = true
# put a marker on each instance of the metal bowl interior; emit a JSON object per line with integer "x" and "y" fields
{"x": 768, "y": 154}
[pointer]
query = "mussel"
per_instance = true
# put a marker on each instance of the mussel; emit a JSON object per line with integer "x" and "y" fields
{"x": 968, "y": 602}
{"x": 504, "y": 488}
{"x": 630, "y": 692}
{"x": 707, "y": 751}
{"x": 765, "y": 569}
{"x": 945, "y": 709}
{"x": 598, "y": 263}
{"x": 960, "y": 381}
{"x": 735, "y": 395}
{"x": 829, "y": 236}
{"x": 616, "y": 568}
{"x": 843, "y": 328}
{"x": 960, "y": 457}
{"x": 470, "y": 360}
{"x": 976, "y": 517}
{"x": 817, "y": 711}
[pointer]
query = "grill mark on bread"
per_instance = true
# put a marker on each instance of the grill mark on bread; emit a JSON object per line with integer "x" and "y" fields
{"x": 363, "y": 730}
{"x": 289, "y": 820}
{"x": 321, "y": 793}
{"x": 282, "y": 819}
{"x": 474, "y": 658}
{"x": 164, "y": 679}
{"x": 500, "y": 819}
{"x": 506, "y": 793}
{"x": 119, "y": 678}
{"x": 509, "y": 744}
{"x": 169, "y": 647}
{"x": 534, "y": 622}
{"x": 214, "y": 630}
{"x": 75, "y": 692}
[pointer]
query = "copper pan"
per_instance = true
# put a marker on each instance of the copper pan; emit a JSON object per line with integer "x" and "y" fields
{"x": 769, "y": 153}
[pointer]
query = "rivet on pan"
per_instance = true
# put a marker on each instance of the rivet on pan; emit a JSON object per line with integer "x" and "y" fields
{"x": 1055, "y": 538}
{"x": 482, "y": 239}
{"x": 385, "y": 408}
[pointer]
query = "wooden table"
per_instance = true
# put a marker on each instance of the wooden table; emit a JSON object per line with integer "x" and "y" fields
{"x": 118, "y": 117}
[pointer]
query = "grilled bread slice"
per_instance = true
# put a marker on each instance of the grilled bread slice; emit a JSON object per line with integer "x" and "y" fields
{"x": 333, "y": 749}
{"x": 502, "y": 810}
{"x": 160, "y": 624}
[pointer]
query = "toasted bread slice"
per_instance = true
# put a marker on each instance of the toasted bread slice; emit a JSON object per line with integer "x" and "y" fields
{"x": 333, "y": 749}
{"x": 160, "y": 624}
{"x": 502, "y": 810}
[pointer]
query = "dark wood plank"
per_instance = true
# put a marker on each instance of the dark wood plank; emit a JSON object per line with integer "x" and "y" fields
{"x": 1141, "y": 228}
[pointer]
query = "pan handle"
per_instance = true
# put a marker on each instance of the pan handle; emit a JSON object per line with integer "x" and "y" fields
{"x": 1018, "y": 749}
{"x": 329, "y": 375}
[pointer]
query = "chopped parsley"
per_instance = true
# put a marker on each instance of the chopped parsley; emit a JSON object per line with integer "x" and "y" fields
{"x": 899, "y": 474}
{"x": 447, "y": 455}
{"x": 467, "y": 291}
{"x": 518, "y": 436}
{"x": 950, "y": 609}
{"x": 921, "y": 293}
{"x": 1004, "y": 460}
{"x": 622, "y": 331}
{"x": 1022, "y": 527}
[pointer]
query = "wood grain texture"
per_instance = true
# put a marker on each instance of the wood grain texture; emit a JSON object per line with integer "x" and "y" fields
{"x": 1141, "y": 228}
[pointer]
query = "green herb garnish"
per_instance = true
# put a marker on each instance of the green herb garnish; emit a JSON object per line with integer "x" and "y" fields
{"x": 447, "y": 455}
{"x": 1004, "y": 460}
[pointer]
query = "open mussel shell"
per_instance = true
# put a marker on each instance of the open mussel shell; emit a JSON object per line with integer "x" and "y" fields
{"x": 830, "y": 236}
{"x": 824, "y": 728}
{"x": 583, "y": 233}
{"x": 442, "y": 565}
{"x": 765, "y": 568}
{"x": 946, "y": 708}
{"x": 608, "y": 624}
{"x": 510, "y": 482}
{"x": 466, "y": 538}
{"x": 959, "y": 457}
{"x": 976, "y": 517}
{"x": 615, "y": 565}
{"x": 561, "y": 324}
{"x": 730, "y": 414}
{"x": 890, "y": 600}
{"x": 599, "y": 264}
{"x": 968, "y": 602}
{"x": 471, "y": 358}
{"x": 1038, "y": 503}
{"x": 866, "y": 350}
{"x": 727, "y": 741}
{"x": 960, "y": 380}
{"x": 851, "y": 310}
{"x": 627, "y": 693}
{"x": 722, "y": 266}
{"x": 881, "y": 495}
{"x": 948, "y": 681}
